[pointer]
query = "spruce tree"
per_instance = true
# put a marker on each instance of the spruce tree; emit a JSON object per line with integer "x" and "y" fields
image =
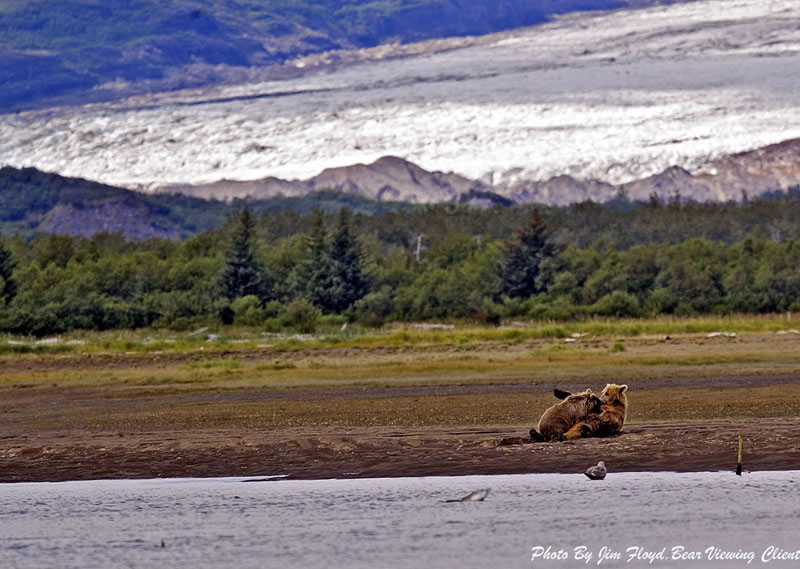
{"x": 8, "y": 288}
{"x": 243, "y": 274}
{"x": 322, "y": 286}
{"x": 351, "y": 280}
{"x": 524, "y": 254}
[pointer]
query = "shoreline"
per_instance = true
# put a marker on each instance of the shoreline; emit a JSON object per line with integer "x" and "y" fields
{"x": 392, "y": 452}
{"x": 283, "y": 478}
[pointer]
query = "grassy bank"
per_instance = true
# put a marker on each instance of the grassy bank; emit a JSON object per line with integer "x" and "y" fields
{"x": 228, "y": 338}
{"x": 161, "y": 362}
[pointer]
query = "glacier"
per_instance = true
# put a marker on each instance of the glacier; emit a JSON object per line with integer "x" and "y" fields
{"x": 614, "y": 96}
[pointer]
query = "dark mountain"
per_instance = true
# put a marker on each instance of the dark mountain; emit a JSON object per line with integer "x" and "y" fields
{"x": 81, "y": 50}
{"x": 32, "y": 200}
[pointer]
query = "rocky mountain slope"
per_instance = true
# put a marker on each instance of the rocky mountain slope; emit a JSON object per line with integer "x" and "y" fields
{"x": 79, "y": 50}
{"x": 31, "y": 200}
{"x": 35, "y": 201}
{"x": 387, "y": 179}
{"x": 773, "y": 167}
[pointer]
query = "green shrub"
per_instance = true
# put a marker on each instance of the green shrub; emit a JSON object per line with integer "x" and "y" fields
{"x": 333, "y": 320}
{"x": 661, "y": 301}
{"x": 273, "y": 308}
{"x": 248, "y": 311}
{"x": 618, "y": 303}
{"x": 561, "y": 310}
{"x": 374, "y": 308}
{"x": 514, "y": 307}
{"x": 489, "y": 313}
{"x": 302, "y": 316}
{"x": 273, "y": 325}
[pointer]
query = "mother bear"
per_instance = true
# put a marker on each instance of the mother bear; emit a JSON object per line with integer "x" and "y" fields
{"x": 561, "y": 418}
{"x": 564, "y": 420}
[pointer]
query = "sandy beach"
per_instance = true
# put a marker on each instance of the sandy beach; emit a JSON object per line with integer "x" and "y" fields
{"x": 55, "y": 434}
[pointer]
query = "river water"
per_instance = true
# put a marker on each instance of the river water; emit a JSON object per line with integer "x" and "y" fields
{"x": 405, "y": 522}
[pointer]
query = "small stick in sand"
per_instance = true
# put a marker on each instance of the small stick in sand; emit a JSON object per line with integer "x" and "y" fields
{"x": 739, "y": 461}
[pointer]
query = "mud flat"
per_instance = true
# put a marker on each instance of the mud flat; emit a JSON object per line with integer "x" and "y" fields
{"x": 440, "y": 408}
{"x": 56, "y": 434}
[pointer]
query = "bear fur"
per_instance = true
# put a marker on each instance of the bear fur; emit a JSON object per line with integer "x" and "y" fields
{"x": 611, "y": 418}
{"x": 562, "y": 417}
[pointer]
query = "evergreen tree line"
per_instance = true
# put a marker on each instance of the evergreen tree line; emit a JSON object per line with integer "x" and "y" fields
{"x": 287, "y": 271}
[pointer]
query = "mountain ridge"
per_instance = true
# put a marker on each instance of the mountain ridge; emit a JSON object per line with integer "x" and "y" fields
{"x": 32, "y": 200}
{"x": 749, "y": 173}
{"x": 389, "y": 178}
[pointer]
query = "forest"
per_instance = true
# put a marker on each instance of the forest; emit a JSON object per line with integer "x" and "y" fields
{"x": 283, "y": 270}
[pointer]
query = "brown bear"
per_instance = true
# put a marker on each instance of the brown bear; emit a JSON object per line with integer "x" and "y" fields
{"x": 609, "y": 421}
{"x": 562, "y": 417}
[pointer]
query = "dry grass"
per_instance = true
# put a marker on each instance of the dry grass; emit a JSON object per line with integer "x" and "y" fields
{"x": 225, "y": 339}
{"x": 139, "y": 391}
{"x": 532, "y": 361}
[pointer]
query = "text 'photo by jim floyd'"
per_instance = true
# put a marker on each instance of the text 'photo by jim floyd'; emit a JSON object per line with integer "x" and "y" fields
{"x": 676, "y": 553}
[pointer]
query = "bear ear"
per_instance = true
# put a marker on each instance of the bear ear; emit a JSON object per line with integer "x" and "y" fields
{"x": 561, "y": 394}
{"x": 623, "y": 388}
